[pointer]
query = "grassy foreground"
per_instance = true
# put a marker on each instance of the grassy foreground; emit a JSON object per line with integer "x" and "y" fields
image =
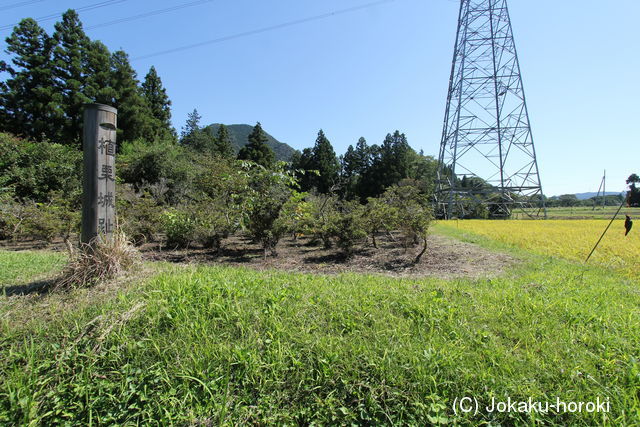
{"x": 222, "y": 345}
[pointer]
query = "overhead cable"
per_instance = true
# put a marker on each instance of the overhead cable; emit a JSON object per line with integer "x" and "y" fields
{"x": 20, "y": 4}
{"x": 147, "y": 14}
{"x": 264, "y": 29}
{"x": 80, "y": 9}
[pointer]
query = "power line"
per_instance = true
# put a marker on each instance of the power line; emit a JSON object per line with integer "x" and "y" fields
{"x": 80, "y": 9}
{"x": 265, "y": 29}
{"x": 23, "y": 3}
{"x": 147, "y": 14}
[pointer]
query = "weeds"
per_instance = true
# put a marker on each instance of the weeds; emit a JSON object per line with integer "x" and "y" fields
{"x": 98, "y": 261}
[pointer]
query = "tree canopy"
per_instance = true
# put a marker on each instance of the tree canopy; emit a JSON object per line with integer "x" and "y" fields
{"x": 50, "y": 78}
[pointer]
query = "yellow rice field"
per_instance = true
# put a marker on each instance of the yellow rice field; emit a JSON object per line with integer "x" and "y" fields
{"x": 571, "y": 239}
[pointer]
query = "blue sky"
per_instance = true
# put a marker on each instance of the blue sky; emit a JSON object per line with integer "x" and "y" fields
{"x": 371, "y": 71}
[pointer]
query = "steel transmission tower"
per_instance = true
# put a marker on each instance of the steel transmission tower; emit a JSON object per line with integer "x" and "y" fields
{"x": 487, "y": 158}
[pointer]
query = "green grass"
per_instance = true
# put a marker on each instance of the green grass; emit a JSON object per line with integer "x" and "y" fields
{"x": 233, "y": 346}
{"x": 25, "y": 266}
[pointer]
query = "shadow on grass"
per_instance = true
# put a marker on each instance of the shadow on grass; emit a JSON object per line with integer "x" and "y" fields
{"x": 39, "y": 287}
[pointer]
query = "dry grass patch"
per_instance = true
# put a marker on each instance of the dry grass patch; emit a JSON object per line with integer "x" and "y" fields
{"x": 98, "y": 261}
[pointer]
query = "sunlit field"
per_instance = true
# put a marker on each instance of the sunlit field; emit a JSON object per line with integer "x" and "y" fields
{"x": 582, "y": 212}
{"x": 571, "y": 240}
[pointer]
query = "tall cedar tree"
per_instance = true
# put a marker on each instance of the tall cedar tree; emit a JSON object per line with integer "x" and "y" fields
{"x": 256, "y": 150}
{"x": 27, "y": 97}
{"x": 156, "y": 97}
{"x": 50, "y": 78}
{"x": 70, "y": 76}
{"x": 390, "y": 163}
{"x": 97, "y": 67}
{"x": 354, "y": 163}
{"x": 224, "y": 145}
{"x": 134, "y": 115}
{"x": 324, "y": 160}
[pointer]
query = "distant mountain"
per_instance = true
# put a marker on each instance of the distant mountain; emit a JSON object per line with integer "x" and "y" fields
{"x": 240, "y": 137}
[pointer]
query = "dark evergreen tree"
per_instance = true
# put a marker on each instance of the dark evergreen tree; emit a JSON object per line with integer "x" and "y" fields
{"x": 301, "y": 163}
{"x": 349, "y": 167}
{"x": 396, "y": 158}
{"x": 224, "y": 145}
{"x": 257, "y": 150}
{"x": 354, "y": 163}
{"x": 70, "y": 76}
{"x": 134, "y": 115}
{"x": 27, "y": 96}
{"x": 324, "y": 160}
{"x": 160, "y": 105}
{"x": 370, "y": 182}
{"x": 390, "y": 163}
{"x": 362, "y": 156}
{"x": 97, "y": 68}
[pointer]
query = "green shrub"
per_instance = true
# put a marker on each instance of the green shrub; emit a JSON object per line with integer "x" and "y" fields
{"x": 38, "y": 221}
{"x": 212, "y": 226}
{"x": 348, "y": 228}
{"x": 378, "y": 215}
{"x": 199, "y": 223}
{"x": 179, "y": 227}
{"x": 414, "y": 214}
{"x": 323, "y": 218}
{"x": 269, "y": 191}
{"x": 10, "y": 214}
{"x": 139, "y": 215}
{"x": 37, "y": 170}
{"x": 296, "y": 215}
{"x": 161, "y": 168}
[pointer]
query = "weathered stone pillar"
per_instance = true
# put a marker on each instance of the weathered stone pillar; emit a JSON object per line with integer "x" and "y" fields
{"x": 99, "y": 178}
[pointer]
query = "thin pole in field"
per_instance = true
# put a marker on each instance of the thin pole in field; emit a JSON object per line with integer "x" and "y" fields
{"x": 606, "y": 229}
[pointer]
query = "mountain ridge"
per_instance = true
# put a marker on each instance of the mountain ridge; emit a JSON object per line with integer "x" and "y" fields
{"x": 239, "y": 134}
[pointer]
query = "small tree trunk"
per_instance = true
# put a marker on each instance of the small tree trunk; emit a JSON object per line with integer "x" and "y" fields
{"x": 424, "y": 249}
{"x": 373, "y": 238}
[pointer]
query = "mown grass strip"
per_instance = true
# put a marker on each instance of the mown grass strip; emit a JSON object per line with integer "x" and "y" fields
{"x": 217, "y": 344}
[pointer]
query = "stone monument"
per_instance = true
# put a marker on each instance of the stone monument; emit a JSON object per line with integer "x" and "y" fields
{"x": 99, "y": 178}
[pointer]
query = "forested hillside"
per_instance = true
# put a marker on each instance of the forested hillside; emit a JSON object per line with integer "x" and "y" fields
{"x": 240, "y": 137}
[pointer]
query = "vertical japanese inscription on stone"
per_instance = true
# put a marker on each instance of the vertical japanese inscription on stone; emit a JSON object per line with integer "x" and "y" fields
{"x": 99, "y": 180}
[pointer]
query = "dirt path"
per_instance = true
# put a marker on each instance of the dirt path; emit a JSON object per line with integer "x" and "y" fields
{"x": 445, "y": 258}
